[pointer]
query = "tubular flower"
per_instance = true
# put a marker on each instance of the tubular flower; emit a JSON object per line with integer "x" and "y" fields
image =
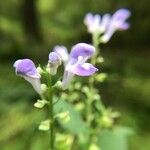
{"x": 117, "y": 22}
{"x": 96, "y": 23}
{"x": 53, "y": 62}
{"x": 26, "y": 69}
{"x": 107, "y": 25}
{"x": 92, "y": 22}
{"x": 77, "y": 65}
{"x": 62, "y": 51}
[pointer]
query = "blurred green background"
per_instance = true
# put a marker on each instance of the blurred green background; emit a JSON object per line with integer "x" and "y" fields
{"x": 30, "y": 28}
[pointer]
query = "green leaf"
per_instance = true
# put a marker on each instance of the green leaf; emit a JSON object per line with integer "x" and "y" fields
{"x": 93, "y": 146}
{"x": 116, "y": 139}
{"x": 75, "y": 125}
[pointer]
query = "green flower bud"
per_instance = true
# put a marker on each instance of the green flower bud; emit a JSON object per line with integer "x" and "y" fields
{"x": 100, "y": 60}
{"x": 45, "y": 125}
{"x": 39, "y": 70}
{"x": 101, "y": 77}
{"x": 58, "y": 85}
{"x": 79, "y": 106}
{"x": 106, "y": 122}
{"x": 40, "y": 103}
{"x": 64, "y": 117}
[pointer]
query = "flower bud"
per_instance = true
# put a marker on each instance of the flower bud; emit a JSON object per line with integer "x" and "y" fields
{"x": 40, "y": 103}
{"x": 53, "y": 62}
{"x": 44, "y": 125}
{"x": 106, "y": 122}
{"x": 64, "y": 116}
{"x": 39, "y": 70}
{"x": 58, "y": 85}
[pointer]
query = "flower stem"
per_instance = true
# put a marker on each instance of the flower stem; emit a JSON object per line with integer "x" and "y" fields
{"x": 89, "y": 100}
{"x": 51, "y": 113}
{"x": 95, "y": 42}
{"x": 52, "y": 137}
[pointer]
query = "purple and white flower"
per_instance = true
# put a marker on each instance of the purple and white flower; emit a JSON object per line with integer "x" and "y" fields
{"x": 63, "y": 53}
{"x": 96, "y": 23}
{"x": 117, "y": 22}
{"x": 107, "y": 25}
{"x": 92, "y": 22}
{"x": 76, "y": 63}
{"x": 26, "y": 69}
{"x": 53, "y": 62}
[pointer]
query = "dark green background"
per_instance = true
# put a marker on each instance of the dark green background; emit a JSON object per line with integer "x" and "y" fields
{"x": 30, "y": 28}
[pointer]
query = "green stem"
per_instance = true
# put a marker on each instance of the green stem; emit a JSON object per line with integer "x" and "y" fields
{"x": 52, "y": 137}
{"x": 91, "y": 80}
{"x": 51, "y": 112}
{"x": 96, "y": 42}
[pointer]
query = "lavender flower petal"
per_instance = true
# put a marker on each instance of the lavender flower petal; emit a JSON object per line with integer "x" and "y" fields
{"x": 76, "y": 64}
{"x": 124, "y": 26}
{"x": 67, "y": 79}
{"x": 119, "y": 18}
{"x": 96, "y": 23}
{"x": 85, "y": 69}
{"x": 117, "y": 22}
{"x": 53, "y": 62}
{"x": 107, "y": 35}
{"x": 26, "y": 69}
{"x": 92, "y": 22}
{"x": 62, "y": 51}
{"x": 54, "y": 59}
{"x": 88, "y": 20}
{"x": 105, "y": 22}
{"x": 36, "y": 83}
{"x": 121, "y": 14}
{"x": 82, "y": 49}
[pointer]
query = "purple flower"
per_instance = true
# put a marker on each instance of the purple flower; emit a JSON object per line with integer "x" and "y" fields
{"x": 107, "y": 25}
{"x": 53, "y": 62}
{"x": 77, "y": 65}
{"x": 92, "y": 22}
{"x": 105, "y": 22}
{"x": 96, "y": 23}
{"x": 62, "y": 51}
{"x": 117, "y": 22}
{"x": 26, "y": 69}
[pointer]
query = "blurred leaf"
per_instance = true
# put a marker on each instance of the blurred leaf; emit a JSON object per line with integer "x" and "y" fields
{"x": 19, "y": 118}
{"x": 93, "y": 146}
{"x": 115, "y": 139}
{"x": 75, "y": 125}
{"x": 64, "y": 141}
